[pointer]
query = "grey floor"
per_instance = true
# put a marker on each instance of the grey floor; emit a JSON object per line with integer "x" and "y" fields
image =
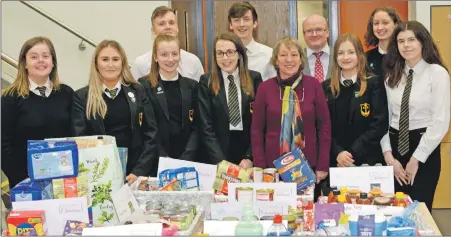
{"x": 442, "y": 217}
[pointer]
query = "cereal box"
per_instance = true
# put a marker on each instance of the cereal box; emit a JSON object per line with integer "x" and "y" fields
{"x": 187, "y": 179}
{"x": 293, "y": 167}
{"x": 71, "y": 187}
{"x": 75, "y": 228}
{"x": 27, "y": 223}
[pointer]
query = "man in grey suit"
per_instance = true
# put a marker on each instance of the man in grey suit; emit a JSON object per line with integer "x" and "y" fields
{"x": 318, "y": 53}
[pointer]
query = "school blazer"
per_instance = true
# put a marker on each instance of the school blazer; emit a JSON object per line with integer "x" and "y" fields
{"x": 368, "y": 120}
{"x": 144, "y": 127}
{"x": 188, "y": 89}
{"x": 213, "y": 119}
{"x": 308, "y": 71}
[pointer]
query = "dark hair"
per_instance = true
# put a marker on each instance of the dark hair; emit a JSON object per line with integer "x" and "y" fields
{"x": 161, "y": 11}
{"x": 370, "y": 38}
{"x": 245, "y": 78}
{"x": 394, "y": 63}
{"x": 238, "y": 10}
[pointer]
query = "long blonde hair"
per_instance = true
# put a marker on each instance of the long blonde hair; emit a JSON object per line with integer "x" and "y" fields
{"x": 361, "y": 64}
{"x": 96, "y": 104}
{"x": 245, "y": 78}
{"x": 21, "y": 85}
{"x": 152, "y": 77}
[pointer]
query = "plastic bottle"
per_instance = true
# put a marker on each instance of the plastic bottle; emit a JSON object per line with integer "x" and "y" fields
{"x": 334, "y": 198}
{"x": 277, "y": 228}
{"x": 342, "y": 199}
{"x": 399, "y": 201}
{"x": 248, "y": 226}
{"x": 344, "y": 191}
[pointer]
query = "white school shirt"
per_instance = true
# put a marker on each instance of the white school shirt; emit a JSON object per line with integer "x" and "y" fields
{"x": 236, "y": 79}
{"x": 324, "y": 59}
{"x": 118, "y": 86}
{"x": 429, "y": 106}
{"x": 189, "y": 66}
{"x": 259, "y": 57}
{"x": 34, "y": 87}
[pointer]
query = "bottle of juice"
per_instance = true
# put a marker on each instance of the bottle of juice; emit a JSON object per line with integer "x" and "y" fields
{"x": 363, "y": 199}
{"x": 342, "y": 199}
{"x": 334, "y": 198}
{"x": 344, "y": 191}
{"x": 248, "y": 226}
{"x": 399, "y": 201}
{"x": 331, "y": 193}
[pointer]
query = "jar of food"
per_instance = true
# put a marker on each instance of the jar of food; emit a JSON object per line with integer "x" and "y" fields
{"x": 382, "y": 201}
{"x": 376, "y": 193}
{"x": 353, "y": 195}
{"x": 390, "y": 196}
{"x": 363, "y": 199}
{"x": 151, "y": 205}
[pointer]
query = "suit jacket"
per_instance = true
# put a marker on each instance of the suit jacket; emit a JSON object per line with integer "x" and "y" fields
{"x": 367, "y": 119}
{"x": 188, "y": 89}
{"x": 214, "y": 118}
{"x": 143, "y": 152}
{"x": 308, "y": 71}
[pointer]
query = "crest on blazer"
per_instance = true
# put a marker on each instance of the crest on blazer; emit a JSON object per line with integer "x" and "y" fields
{"x": 140, "y": 119}
{"x": 251, "y": 107}
{"x": 191, "y": 115}
{"x": 365, "y": 109}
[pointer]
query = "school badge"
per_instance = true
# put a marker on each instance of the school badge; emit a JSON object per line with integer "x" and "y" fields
{"x": 251, "y": 107}
{"x": 191, "y": 115}
{"x": 365, "y": 109}
{"x": 140, "y": 119}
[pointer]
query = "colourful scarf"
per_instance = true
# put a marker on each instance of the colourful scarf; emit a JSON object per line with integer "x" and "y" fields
{"x": 292, "y": 127}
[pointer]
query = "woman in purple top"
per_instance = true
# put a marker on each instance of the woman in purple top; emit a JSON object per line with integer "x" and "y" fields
{"x": 306, "y": 110}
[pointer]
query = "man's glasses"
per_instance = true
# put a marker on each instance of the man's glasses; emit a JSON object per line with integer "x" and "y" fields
{"x": 229, "y": 53}
{"x": 318, "y": 31}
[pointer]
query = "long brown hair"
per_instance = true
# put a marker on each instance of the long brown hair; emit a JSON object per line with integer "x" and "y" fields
{"x": 216, "y": 75}
{"x": 96, "y": 104}
{"x": 152, "y": 77}
{"x": 394, "y": 63}
{"x": 361, "y": 64}
{"x": 370, "y": 37}
{"x": 21, "y": 85}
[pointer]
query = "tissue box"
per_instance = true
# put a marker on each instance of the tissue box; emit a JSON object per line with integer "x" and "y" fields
{"x": 70, "y": 187}
{"x": 28, "y": 190}
{"x": 187, "y": 177}
{"x": 293, "y": 167}
{"x": 52, "y": 159}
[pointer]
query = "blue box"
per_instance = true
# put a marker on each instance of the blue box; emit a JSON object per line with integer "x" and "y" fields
{"x": 49, "y": 160}
{"x": 293, "y": 167}
{"x": 187, "y": 176}
{"x": 28, "y": 190}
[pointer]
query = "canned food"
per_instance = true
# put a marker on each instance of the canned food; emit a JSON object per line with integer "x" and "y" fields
{"x": 266, "y": 194}
{"x": 257, "y": 175}
{"x": 193, "y": 209}
{"x": 166, "y": 215}
{"x": 179, "y": 221}
{"x": 270, "y": 175}
{"x": 189, "y": 215}
{"x": 153, "y": 206}
{"x": 244, "y": 194}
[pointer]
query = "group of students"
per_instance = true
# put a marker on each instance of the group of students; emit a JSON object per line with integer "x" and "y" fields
{"x": 340, "y": 106}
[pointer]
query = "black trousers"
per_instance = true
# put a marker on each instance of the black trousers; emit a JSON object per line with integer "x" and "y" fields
{"x": 426, "y": 179}
{"x": 238, "y": 145}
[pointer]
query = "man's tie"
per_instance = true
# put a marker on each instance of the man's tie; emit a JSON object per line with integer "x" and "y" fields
{"x": 403, "y": 136}
{"x": 347, "y": 83}
{"x": 41, "y": 90}
{"x": 319, "y": 72}
{"x": 234, "y": 107}
{"x": 112, "y": 92}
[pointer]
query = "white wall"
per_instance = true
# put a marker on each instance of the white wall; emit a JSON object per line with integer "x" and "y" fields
{"x": 423, "y": 11}
{"x": 128, "y": 22}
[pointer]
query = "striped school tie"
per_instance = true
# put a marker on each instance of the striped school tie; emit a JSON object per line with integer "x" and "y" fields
{"x": 403, "y": 134}
{"x": 347, "y": 83}
{"x": 234, "y": 108}
{"x": 41, "y": 90}
{"x": 112, "y": 92}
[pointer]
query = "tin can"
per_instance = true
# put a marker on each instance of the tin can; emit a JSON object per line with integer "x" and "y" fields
{"x": 193, "y": 209}
{"x": 152, "y": 205}
{"x": 257, "y": 175}
{"x": 179, "y": 221}
{"x": 166, "y": 215}
{"x": 244, "y": 194}
{"x": 270, "y": 175}
{"x": 265, "y": 195}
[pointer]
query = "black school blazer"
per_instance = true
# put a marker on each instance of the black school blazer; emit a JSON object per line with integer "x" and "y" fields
{"x": 188, "y": 89}
{"x": 213, "y": 117}
{"x": 144, "y": 128}
{"x": 368, "y": 122}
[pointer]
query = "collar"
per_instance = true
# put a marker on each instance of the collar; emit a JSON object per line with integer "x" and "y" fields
{"x": 33, "y": 86}
{"x": 353, "y": 78}
{"x": 417, "y": 69}
{"x": 118, "y": 86}
{"x": 252, "y": 46}
{"x": 235, "y": 74}
{"x": 325, "y": 49}
{"x": 381, "y": 51}
{"x": 173, "y": 79}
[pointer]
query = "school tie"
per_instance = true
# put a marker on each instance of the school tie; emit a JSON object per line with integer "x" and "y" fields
{"x": 347, "y": 83}
{"x": 234, "y": 108}
{"x": 112, "y": 92}
{"x": 41, "y": 90}
{"x": 403, "y": 133}
{"x": 319, "y": 72}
